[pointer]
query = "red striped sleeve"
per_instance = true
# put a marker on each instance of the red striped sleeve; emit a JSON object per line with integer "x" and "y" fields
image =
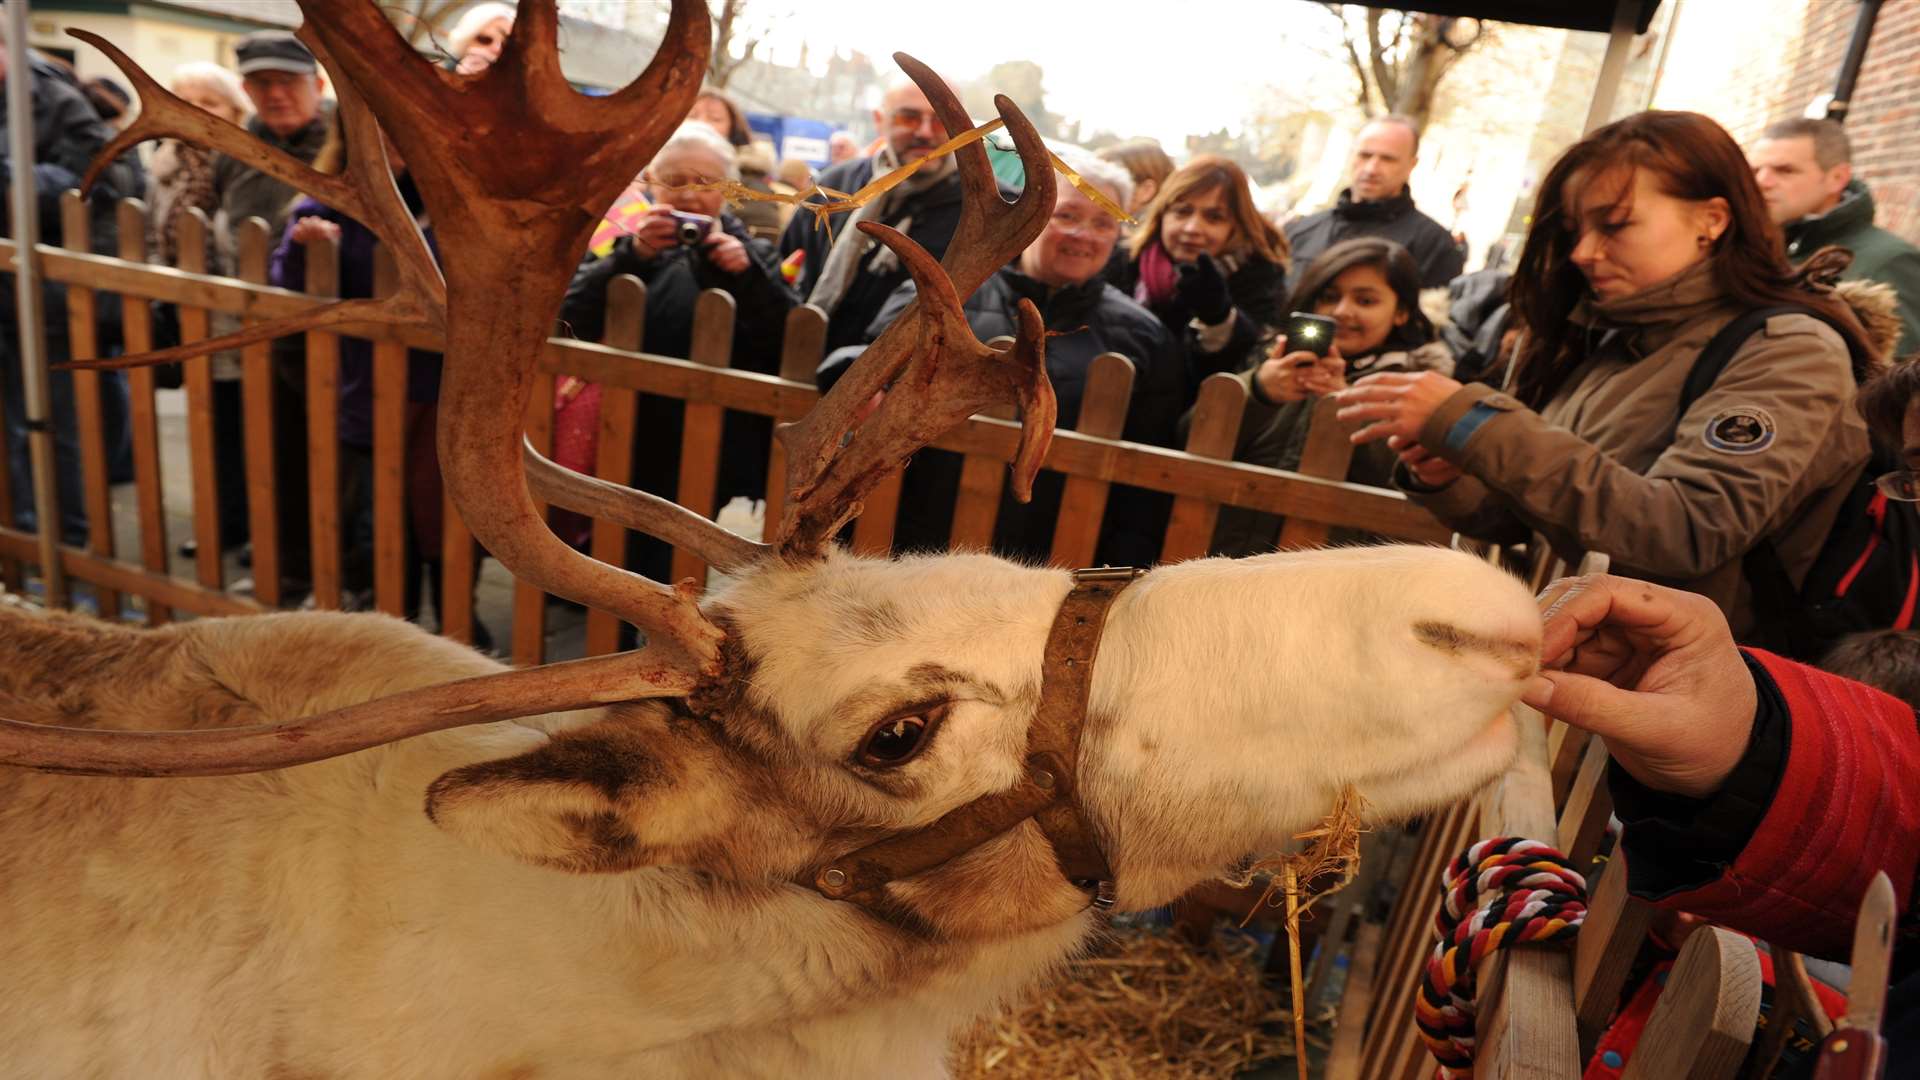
{"x": 1848, "y": 805}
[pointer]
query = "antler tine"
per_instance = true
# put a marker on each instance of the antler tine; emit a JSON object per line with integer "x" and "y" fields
{"x": 639, "y": 510}
{"x": 507, "y": 695}
{"x": 940, "y": 374}
{"x": 991, "y": 230}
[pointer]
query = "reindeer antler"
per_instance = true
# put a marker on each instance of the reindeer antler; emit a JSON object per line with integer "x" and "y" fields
{"x": 932, "y": 369}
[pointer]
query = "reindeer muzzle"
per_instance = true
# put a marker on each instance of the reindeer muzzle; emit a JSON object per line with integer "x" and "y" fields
{"x": 1045, "y": 795}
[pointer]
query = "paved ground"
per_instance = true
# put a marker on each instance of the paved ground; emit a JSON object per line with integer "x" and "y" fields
{"x": 566, "y": 625}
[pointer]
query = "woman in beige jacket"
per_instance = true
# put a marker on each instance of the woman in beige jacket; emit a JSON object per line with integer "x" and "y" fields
{"x": 1648, "y": 236}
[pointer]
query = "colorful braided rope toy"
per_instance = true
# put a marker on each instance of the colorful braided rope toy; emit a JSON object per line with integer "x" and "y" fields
{"x": 1499, "y": 893}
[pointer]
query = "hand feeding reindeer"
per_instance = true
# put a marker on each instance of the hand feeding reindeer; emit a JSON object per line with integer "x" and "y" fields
{"x": 383, "y": 855}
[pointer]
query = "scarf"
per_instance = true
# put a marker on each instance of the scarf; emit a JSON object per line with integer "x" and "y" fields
{"x": 1157, "y": 277}
{"x": 843, "y": 261}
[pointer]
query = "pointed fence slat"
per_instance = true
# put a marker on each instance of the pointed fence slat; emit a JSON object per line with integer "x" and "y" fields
{"x": 190, "y": 243}
{"x": 83, "y": 338}
{"x": 1216, "y": 427}
{"x": 701, "y": 428}
{"x": 323, "y": 429}
{"x": 625, "y": 329}
{"x": 143, "y": 417}
{"x": 1328, "y": 454}
{"x": 1083, "y": 500}
{"x": 257, "y": 391}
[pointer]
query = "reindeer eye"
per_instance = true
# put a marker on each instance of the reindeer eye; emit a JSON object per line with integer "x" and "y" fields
{"x": 897, "y": 739}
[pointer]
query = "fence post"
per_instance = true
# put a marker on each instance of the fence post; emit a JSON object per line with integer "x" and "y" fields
{"x": 256, "y": 395}
{"x": 323, "y": 429}
{"x": 700, "y": 448}
{"x": 83, "y": 340}
{"x": 1083, "y": 499}
{"x": 190, "y": 242}
{"x": 625, "y": 329}
{"x": 136, "y": 319}
{"x": 1216, "y": 428}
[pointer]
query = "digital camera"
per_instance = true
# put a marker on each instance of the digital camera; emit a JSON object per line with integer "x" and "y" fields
{"x": 690, "y": 228}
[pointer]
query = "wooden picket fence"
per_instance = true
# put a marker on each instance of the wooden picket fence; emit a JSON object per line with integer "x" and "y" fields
{"x": 1202, "y": 478}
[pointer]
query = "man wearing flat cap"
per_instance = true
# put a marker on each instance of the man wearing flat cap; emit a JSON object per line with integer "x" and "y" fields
{"x": 284, "y": 82}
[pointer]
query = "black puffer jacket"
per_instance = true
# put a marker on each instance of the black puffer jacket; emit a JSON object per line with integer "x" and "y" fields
{"x": 1432, "y": 247}
{"x": 674, "y": 282}
{"x": 1091, "y": 319}
{"x": 1258, "y": 289}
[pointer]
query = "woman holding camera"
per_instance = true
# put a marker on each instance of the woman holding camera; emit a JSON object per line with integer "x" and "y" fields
{"x": 1649, "y": 236}
{"x": 686, "y": 243}
{"x": 1209, "y": 266}
{"x": 1368, "y": 288}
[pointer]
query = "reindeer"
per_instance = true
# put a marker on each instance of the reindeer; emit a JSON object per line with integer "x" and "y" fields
{"x": 824, "y": 818}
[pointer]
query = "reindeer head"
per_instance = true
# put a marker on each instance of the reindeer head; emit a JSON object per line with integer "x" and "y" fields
{"x": 825, "y": 701}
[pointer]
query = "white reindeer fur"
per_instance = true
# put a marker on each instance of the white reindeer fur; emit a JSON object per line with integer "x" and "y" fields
{"x": 315, "y": 923}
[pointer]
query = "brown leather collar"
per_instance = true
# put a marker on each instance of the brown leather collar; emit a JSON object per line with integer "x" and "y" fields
{"x": 1045, "y": 794}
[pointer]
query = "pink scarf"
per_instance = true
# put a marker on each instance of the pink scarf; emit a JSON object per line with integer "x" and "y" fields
{"x": 1157, "y": 277}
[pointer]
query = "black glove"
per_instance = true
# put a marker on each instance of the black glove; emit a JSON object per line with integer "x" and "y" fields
{"x": 1203, "y": 288}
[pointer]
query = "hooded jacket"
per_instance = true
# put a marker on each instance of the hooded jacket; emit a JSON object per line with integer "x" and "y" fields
{"x": 1396, "y": 219}
{"x": 1276, "y": 437}
{"x": 1769, "y": 451}
{"x": 1878, "y": 255}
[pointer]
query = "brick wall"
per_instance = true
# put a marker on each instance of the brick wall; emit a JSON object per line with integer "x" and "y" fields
{"x": 1748, "y": 63}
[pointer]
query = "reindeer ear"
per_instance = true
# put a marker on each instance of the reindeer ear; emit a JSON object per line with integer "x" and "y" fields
{"x": 592, "y": 801}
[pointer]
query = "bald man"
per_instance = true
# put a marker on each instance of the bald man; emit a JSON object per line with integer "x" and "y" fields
{"x": 1379, "y": 203}
{"x": 851, "y": 277}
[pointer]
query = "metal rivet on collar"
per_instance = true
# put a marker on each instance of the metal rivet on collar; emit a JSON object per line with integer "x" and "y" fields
{"x": 833, "y": 879}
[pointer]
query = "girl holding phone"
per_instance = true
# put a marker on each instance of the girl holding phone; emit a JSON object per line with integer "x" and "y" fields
{"x": 1369, "y": 288}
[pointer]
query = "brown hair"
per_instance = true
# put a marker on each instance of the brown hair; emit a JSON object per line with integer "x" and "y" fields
{"x": 1887, "y": 660}
{"x": 1883, "y": 400}
{"x": 1142, "y": 158}
{"x": 738, "y": 133}
{"x": 1691, "y": 158}
{"x": 1394, "y": 264}
{"x": 1830, "y": 143}
{"x": 1252, "y": 232}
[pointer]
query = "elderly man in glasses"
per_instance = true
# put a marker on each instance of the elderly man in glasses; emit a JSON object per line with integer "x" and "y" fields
{"x": 846, "y": 274}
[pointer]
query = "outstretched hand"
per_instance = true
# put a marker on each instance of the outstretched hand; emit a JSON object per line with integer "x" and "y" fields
{"x": 1652, "y": 670}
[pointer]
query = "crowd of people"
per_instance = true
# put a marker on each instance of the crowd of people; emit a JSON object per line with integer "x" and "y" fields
{"x": 1670, "y": 373}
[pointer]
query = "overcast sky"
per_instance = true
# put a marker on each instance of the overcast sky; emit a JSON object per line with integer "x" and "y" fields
{"x": 1131, "y": 67}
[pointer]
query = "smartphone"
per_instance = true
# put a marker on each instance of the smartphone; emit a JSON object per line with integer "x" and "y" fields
{"x": 1307, "y": 332}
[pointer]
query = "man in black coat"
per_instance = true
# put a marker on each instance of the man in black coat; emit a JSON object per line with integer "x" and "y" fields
{"x": 1379, "y": 204}
{"x": 67, "y": 133}
{"x": 851, "y": 276}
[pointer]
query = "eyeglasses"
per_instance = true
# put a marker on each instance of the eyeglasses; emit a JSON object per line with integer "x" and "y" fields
{"x": 1900, "y": 484}
{"x": 909, "y": 117}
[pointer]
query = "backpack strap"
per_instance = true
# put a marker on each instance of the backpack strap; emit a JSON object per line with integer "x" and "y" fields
{"x": 1776, "y": 601}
